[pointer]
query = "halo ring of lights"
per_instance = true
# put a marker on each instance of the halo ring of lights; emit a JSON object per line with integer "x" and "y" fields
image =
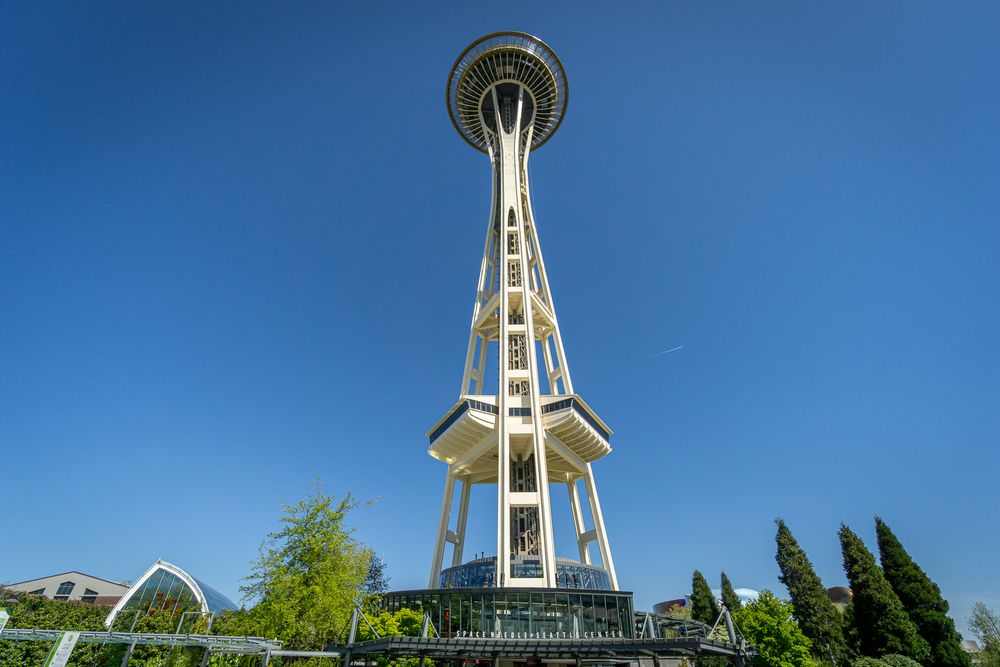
{"x": 507, "y": 56}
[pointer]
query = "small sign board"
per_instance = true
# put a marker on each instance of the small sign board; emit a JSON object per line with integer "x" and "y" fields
{"x": 60, "y": 652}
{"x": 4, "y": 617}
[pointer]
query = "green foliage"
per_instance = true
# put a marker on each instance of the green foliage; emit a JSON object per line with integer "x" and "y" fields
{"x": 882, "y": 624}
{"x": 819, "y": 619}
{"x": 703, "y": 605}
{"x": 851, "y": 630}
{"x": 309, "y": 576}
{"x": 402, "y": 623}
{"x": 36, "y": 612}
{"x": 921, "y": 598}
{"x": 43, "y": 614}
{"x": 985, "y": 625}
{"x": 729, "y": 597}
{"x": 679, "y": 611}
{"x": 889, "y": 660}
{"x": 865, "y": 661}
{"x": 768, "y": 623}
{"x": 896, "y": 660}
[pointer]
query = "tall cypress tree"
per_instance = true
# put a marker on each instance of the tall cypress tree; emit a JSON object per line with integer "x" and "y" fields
{"x": 921, "y": 599}
{"x": 729, "y": 597}
{"x": 703, "y": 605}
{"x": 882, "y": 624}
{"x": 819, "y": 619}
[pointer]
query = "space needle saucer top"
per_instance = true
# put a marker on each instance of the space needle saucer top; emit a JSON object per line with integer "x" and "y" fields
{"x": 506, "y": 62}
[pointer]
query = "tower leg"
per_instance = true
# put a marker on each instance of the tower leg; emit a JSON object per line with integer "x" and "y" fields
{"x": 442, "y": 536}
{"x": 502, "y": 576}
{"x": 574, "y": 503}
{"x": 463, "y": 516}
{"x": 602, "y": 535}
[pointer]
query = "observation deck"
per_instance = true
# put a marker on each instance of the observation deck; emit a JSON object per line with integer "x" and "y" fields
{"x": 506, "y": 60}
{"x": 467, "y": 435}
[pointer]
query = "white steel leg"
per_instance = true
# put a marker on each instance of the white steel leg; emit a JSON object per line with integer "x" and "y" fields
{"x": 574, "y": 504}
{"x": 463, "y": 515}
{"x": 442, "y": 536}
{"x": 602, "y": 535}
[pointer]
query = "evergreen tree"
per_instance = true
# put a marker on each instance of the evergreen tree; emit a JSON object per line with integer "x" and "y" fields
{"x": 819, "y": 619}
{"x": 729, "y": 597}
{"x": 921, "y": 599}
{"x": 703, "y": 605}
{"x": 882, "y": 624}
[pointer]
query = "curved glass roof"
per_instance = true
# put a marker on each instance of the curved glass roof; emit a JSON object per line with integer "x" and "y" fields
{"x": 166, "y": 587}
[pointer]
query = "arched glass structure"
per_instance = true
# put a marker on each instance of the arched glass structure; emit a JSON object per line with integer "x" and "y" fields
{"x": 166, "y": 587}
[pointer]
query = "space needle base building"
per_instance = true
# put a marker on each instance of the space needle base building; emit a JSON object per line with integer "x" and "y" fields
{"x": 518, "y": 424}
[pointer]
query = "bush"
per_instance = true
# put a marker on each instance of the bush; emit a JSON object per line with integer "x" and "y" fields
{"x": 43, "y": 614}
{"x": 890, "y": 660}
{"x": 867, "y": 662}
{"x": 896, "y": 660}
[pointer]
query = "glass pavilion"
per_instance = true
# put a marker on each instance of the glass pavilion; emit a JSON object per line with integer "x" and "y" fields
{"x": 166, "y": 587}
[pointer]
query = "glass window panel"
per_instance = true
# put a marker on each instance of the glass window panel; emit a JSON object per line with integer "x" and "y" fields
{"x": 587, "y": 608}
{"x": 172, "y": 593}
{"x": 467, "y": 615}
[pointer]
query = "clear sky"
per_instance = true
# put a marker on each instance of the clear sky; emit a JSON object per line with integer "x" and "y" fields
{"x": 239, "y": 244}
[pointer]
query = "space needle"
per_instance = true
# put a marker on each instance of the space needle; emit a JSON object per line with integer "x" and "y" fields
{"x": 517, "y": 423}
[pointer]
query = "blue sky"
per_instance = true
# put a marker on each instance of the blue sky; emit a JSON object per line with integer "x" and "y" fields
{"x": 239, "y": 244}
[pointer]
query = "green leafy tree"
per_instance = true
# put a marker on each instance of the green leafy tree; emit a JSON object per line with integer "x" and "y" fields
{"x": 769, "y": 624}
{"x": 309, "y": 575}
{"x": 703, "y": 605}
{"x": 819, "y": 619}
{"x": 882, "y": 624}
{"x": 921, "y": 599}
{"x": 729, "y": 597}
{"x": 985, "y": 625}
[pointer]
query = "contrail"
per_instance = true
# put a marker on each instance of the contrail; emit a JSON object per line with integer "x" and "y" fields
{"x": 673, "y": 349}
